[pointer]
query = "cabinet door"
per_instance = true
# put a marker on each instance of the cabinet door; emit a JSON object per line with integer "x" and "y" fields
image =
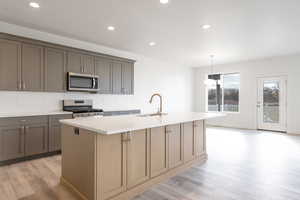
{"x": 103, "y": 70}
{"x": 117, "y": 77}
{"x": 158, "y": 151}
{"x": 127, "y": 78}
{"x": 175, "y": 145}
{"x": 138, "y": 162}
{"x": 113, "y": 165}
{"x": 89, "y": 64}
{"x": 188, "y": 138}
{"x": 32, "y": 68}
{"x": 12, "y": 142}
{"x": 10, "y": 65}
{"x": 55, "y": 70}
{"x": 199, "y": 131}
{"x": 55, "y": 138}
{"x": 36, "y": 139}
{"x": 74, "y": 62}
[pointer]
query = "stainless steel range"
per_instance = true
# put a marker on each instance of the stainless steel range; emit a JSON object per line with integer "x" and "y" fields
{"x": 81, "y": 108}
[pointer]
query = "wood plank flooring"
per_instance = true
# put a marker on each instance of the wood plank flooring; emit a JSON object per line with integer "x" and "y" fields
{"x": 241, "y": 164}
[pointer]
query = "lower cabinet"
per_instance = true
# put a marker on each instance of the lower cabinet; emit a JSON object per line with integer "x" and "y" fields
{"x": 199, "y": 131}
{"x": 175, "y": 138}
{"x": 113, "y": 165}
{"x": 118, "y": 166}
{"x": 55, "y": 131}
{"x": 36, "y": 139}
{"x": 28, "y": 136}
{"x": 138, "y": 157}
{"x": 11, "y": 142}
{"x": 189, "y": 141}
{"x": 158, "y": 151}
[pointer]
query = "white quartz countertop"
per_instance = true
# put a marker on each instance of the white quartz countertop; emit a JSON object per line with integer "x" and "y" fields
{"x": 126, "y": 123}
{"x": 28, "y": 114}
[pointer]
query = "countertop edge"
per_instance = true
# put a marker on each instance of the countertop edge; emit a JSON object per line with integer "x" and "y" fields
{"x": 125, "y": 130}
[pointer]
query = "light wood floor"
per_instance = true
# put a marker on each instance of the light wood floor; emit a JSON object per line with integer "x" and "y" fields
{"x": 242, "y": 164}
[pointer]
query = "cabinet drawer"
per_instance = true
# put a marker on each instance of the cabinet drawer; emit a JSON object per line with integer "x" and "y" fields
{"x": 23, "y": 120}
{"x": 54, "y": 119}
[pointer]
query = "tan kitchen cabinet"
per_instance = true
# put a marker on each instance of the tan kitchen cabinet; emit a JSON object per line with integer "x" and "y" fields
{"x": 175, "y": 138}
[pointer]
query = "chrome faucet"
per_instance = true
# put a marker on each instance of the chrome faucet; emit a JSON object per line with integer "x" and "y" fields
{"x": 160, "y": 99}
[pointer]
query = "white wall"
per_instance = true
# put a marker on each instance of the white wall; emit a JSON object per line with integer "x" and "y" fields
{"x": 249, "y": 71}
{"x": 174, "y": 82}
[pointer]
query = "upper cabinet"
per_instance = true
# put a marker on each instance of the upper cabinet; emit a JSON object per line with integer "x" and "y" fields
{"x": 103, "y": 69}
{"x": 31, "y": 65}
{"x": 80, "y": 63}
{"x": 117, "y": 77}
{"x": 122, "y": 76}
{"x": 10, "y": 65}
{"x": 75, "y": 63}
{"x": 32, "y": 68}
{"x": 127, "y": 78}
{"x": 55, "y": 70}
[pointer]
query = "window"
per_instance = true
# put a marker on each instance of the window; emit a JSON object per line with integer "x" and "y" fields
{"x": 223, "y": 92}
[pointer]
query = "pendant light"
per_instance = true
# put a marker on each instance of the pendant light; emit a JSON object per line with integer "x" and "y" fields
{"x": 210, "y": 82}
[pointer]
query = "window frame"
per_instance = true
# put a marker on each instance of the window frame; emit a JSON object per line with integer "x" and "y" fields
{"x": 206, "y": 95}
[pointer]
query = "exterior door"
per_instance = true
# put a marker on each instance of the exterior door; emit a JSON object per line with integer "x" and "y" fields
{"x": 271, "y": 103}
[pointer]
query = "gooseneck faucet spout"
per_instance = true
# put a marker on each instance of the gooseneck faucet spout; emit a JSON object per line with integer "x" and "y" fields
{"x": 160, "y": 99}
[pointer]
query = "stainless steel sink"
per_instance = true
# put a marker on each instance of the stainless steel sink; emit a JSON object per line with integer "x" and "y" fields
{"x": 152, "y": 115}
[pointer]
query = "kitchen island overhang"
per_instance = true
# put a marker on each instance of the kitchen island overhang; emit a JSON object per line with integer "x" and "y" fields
{"x": 120, "y": 157}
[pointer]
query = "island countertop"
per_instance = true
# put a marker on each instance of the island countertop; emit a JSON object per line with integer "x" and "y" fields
{"x": 126, "y": 123}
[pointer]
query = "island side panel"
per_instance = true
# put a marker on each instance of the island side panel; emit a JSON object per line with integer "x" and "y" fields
{"x": 79, "y": 161}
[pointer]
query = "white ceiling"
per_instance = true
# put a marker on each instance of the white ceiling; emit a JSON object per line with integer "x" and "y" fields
{"x": 241, "y": 29}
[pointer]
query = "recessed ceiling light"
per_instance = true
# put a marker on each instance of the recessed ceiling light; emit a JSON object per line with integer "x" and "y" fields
{"x": 34, "y": 4}
{"x": 110, "y": 28}
{"x": 164, "y": 1}
{"x": 206, "y": 26}
{"x": 152, "y": 43}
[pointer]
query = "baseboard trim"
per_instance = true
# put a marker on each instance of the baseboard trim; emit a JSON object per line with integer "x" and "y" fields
{"x": 28, "y": 158}
{"x": 71, "y": 187}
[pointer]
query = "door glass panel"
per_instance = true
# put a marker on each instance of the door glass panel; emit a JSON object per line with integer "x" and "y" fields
{"x": 271, "y": 101}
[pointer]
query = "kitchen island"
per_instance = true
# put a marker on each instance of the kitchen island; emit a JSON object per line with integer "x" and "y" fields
{"x": 120, "y": 157}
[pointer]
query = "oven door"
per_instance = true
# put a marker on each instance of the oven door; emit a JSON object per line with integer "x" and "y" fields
{"x": 82, "y": 82}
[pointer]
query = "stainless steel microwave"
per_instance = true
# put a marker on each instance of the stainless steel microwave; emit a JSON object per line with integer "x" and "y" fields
{"x": 82, "y": 82}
